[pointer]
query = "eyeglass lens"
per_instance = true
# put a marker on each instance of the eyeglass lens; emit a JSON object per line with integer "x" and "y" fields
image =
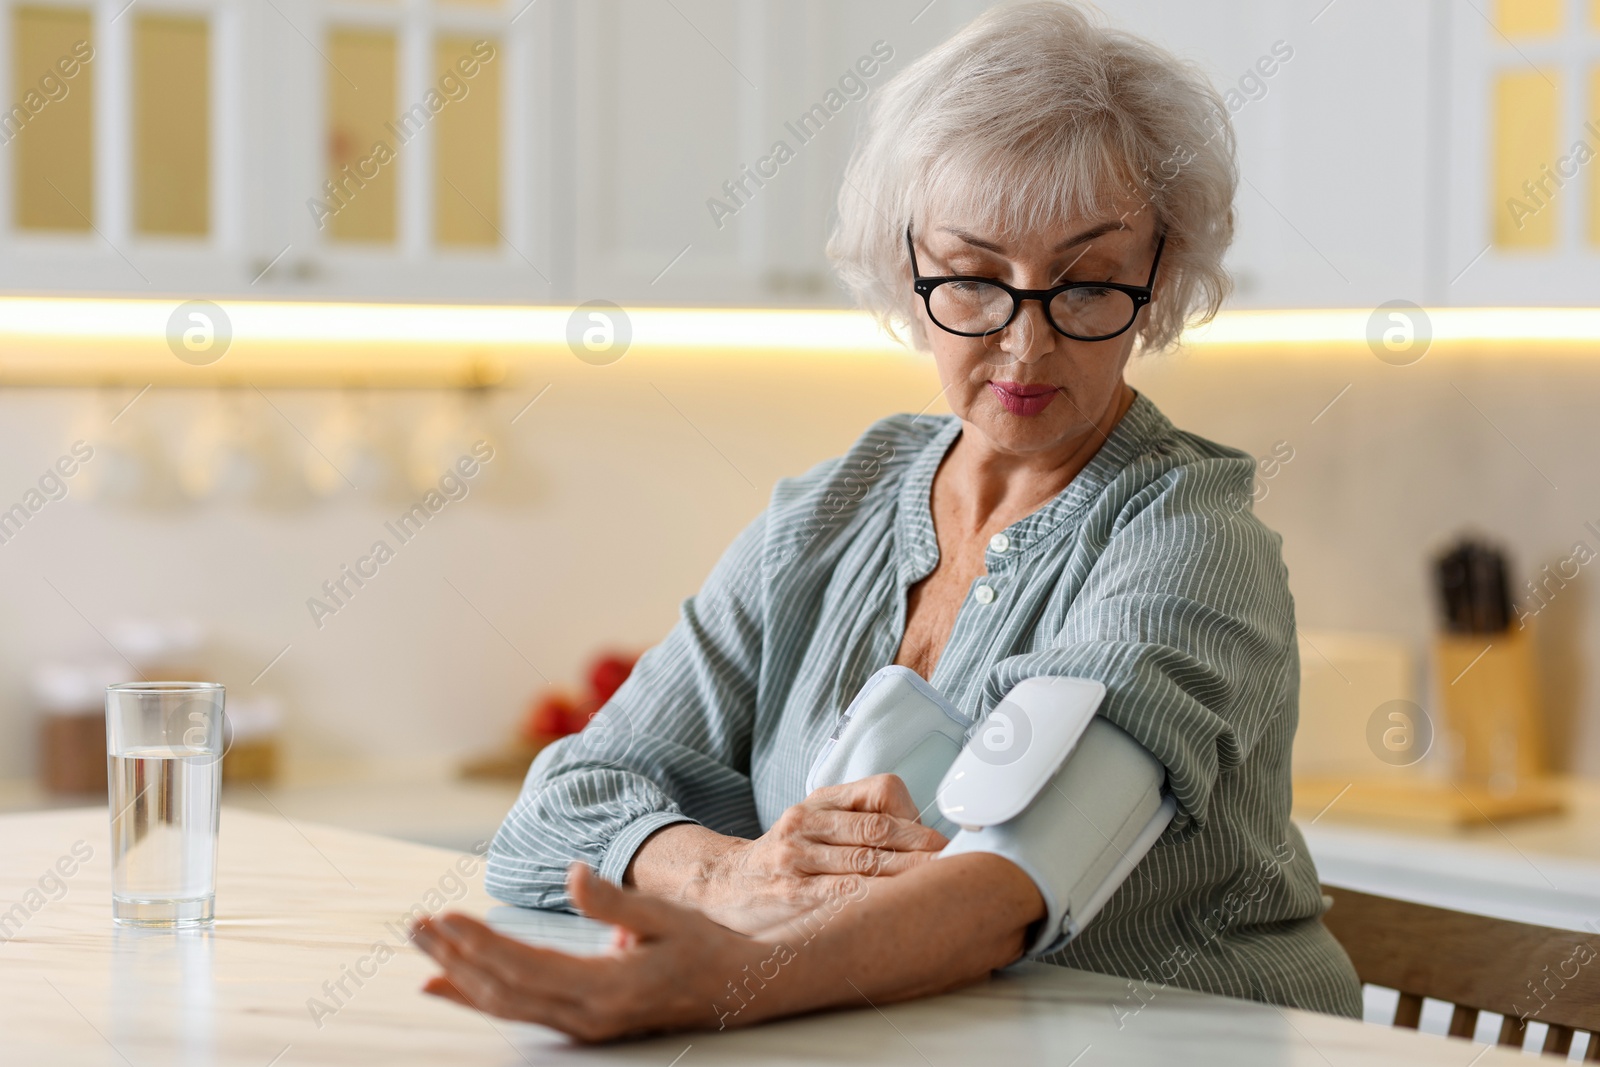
{"x": 1087, "y": 313}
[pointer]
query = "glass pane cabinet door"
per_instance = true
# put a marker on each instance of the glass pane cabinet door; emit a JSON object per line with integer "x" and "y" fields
{"x": 1527, "y": 108}
{"x": 361, "y": 203}
{"x": 467, "y": 150}
{"x": 49, "y": 126}
{"x": 172, "y": 125}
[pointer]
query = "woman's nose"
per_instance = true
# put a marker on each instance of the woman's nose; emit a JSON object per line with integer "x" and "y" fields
{"x": 1030, "y": 336}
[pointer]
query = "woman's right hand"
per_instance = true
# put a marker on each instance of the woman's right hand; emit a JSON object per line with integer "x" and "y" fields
{"x": 819, "y": 849}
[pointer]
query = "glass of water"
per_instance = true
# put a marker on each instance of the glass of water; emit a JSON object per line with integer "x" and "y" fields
{"x": 164, "y": 746}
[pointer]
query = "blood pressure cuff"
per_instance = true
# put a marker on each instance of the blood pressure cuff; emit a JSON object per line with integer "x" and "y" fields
{"x": 897, "y": 724}
{"x": 1084, "y": 833}
{"x": 1094, "y": 809}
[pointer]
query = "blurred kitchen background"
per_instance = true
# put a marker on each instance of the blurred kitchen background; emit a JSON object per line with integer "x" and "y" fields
{"x": 199, "y": 489}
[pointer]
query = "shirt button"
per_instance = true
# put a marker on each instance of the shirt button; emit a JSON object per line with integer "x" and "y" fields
{"x": 1000, "y": 543}
{"x": 985, "y": 594}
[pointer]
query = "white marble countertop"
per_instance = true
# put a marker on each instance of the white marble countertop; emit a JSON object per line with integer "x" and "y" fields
{"x": 301, "y": 906}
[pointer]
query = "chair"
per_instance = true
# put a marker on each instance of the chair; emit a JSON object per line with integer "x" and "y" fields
{"x": 1476, "y": 964}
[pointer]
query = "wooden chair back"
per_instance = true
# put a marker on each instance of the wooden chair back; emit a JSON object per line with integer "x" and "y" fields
{"x": 1526, "y": 973}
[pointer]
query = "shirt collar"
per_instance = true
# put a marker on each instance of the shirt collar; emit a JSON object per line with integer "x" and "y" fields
{"x": 1139, "y": 428}
{"x": 917, "y": 543}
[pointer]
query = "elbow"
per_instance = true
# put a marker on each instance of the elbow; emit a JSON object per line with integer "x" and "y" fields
{"x": 982, "y": 960}
{"x": 1000, "y": 953}
{"x": 505, "y": 884}
{"x": 524, "y": 881}
{"x": 1014, "y": 909}
{"x": 498, "y": 880}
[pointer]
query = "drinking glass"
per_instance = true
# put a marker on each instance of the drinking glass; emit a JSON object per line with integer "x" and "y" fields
{"x": 164, "y": 746}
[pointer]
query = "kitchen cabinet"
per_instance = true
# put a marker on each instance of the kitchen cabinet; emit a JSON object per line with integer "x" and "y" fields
{"x": 654, "y": 152}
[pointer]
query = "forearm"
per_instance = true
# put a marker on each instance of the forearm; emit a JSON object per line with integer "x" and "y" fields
{"x": 941, "y": 926}
{"x": 813, "y": 854}
{"x": 676, "y": 862}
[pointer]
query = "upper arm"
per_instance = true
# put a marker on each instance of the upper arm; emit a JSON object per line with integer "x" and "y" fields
{"x": 1186, "y": 618}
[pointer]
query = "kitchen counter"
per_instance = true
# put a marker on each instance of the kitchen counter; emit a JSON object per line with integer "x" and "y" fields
{"x": 1542, "y": 869}
{"x": 303, "y": 907}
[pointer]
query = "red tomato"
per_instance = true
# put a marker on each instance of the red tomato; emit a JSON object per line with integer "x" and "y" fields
{"x": 551, "y": 715}
{"x": 607, "y": 674}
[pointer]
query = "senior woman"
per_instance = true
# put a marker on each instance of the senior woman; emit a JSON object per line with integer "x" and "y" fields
{"x": 1031, "y": 202}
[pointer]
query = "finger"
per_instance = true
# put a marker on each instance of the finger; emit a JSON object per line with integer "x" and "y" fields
{"x": 860, "y": 860}
{"x": 881, "y": 792}
{"x": 873, "y": 829}
{"x": 427, "y": 936}
{"x": 485, "y": 991}
{"x": 849, "y": 888}
{"x": 439, "y": 986}
{"x": 454, "y": 939}
{"x": 644, "y": 915}
{"x": 434, "y": 939}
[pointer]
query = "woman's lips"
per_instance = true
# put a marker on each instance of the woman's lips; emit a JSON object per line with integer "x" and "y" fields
{"x": 1021, "y": 399}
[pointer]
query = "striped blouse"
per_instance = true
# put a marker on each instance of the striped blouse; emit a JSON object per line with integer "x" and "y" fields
{"x": 1149, "y": 573}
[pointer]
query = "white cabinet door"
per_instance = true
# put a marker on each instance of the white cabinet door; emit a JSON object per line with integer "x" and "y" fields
{"x": 1523, "y": 162}
{"x": 1330, "y": 105}
{"x": 665, "y": 97}
{"x": 297, "y": 72}
{"x": 709, "y": 138}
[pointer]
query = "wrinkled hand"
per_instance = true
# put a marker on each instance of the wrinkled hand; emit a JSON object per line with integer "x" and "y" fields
{"x": 666, "y": 970}
{"x": 818, "y": 850}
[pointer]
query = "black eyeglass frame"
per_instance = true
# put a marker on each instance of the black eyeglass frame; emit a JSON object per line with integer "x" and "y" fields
{"x": 1141, "y": 295}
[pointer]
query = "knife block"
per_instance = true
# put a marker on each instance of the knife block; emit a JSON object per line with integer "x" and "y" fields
{"x": 1489, "y": 695}
{"x": 1489, "y": 719}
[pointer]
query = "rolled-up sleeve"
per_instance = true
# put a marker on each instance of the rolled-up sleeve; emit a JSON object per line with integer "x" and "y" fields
{"x": 1186, "y": 618}
{"x": 673, "y": 745}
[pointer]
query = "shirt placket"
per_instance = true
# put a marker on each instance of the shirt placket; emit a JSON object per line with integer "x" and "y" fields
{"x": 982, "y": 613}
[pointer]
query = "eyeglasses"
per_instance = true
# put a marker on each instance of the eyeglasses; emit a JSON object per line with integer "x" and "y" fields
{"x": 1084, "y": 311}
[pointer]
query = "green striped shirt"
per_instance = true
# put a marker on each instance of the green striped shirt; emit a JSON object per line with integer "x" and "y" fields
{"x": 1149, "y": 573}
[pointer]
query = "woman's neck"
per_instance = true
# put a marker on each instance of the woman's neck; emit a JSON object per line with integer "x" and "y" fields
{"x": 990, "y": 488}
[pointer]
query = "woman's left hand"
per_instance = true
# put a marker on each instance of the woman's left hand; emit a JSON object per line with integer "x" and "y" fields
{"x": 667, "y": 969}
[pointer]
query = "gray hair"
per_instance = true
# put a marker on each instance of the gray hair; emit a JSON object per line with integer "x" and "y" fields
{"x": 1032, "y": 114}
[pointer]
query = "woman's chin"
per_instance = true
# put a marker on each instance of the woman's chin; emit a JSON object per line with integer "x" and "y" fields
{"x": 1010, "y": 432}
